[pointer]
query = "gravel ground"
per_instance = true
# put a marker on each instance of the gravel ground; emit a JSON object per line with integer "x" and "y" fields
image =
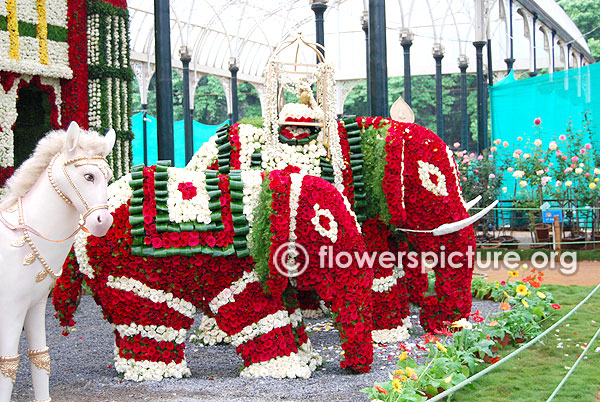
{"x": 82, "y": 367}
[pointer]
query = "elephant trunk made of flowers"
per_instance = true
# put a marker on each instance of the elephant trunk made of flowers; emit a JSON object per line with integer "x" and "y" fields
{"x": 181, "y": 242}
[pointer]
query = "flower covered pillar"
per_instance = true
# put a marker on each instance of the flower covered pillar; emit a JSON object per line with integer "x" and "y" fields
{"x": 110, "y": 76}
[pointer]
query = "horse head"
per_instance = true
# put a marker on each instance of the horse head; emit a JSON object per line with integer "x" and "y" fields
{"x": 80, "y": 175}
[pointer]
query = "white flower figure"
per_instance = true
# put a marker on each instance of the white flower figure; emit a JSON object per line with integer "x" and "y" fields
{"x": 426, "y": 170}
{"x": 330, "y": 233}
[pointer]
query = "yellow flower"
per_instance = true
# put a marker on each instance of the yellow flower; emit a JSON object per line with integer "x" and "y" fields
{"x": 441, "y": 347}
{"x": 525, "y": 303}
{"x": 506, "y": 295}
{"x": 403, "y": 356}
{"x": 448, "y": 379}
{"x": 411, "y": 373}
{"x": 522, "y": 290}
{"x": 397, "y": 384}
{"x": 524, "y": 267}
{"x": 398, "y": 372}
{"x": 592, "y": 185}
{"x": 497, "y": 284}
{"x": 540, "y": 295}
{"x": 513, "y": 274}
{"x": 403, "y": 378}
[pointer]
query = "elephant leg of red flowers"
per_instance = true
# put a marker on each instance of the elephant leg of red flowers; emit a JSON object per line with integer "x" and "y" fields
{"x": 390, "y": 305}
{"x": 325, "y": 228}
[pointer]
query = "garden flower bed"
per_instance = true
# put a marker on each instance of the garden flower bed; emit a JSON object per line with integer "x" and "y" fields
{"x": 465, "y": 346}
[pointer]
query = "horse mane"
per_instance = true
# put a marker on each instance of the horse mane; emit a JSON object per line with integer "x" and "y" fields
{"x": 52, "y": 143}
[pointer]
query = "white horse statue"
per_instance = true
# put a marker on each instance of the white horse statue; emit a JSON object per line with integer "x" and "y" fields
{"x": 60, "y": 189}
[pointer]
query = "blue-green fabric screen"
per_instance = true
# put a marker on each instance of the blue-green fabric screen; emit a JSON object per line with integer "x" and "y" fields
{"x": 556, "y": 98}
{"x": 202, "y": 133}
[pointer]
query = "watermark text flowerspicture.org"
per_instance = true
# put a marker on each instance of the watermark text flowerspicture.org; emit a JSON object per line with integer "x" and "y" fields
{"x": 565, "y": 262}
{"x": 292, "y": 259}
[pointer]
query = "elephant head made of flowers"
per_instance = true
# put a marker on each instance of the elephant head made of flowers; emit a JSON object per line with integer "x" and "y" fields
{"x": 422, "y": 190}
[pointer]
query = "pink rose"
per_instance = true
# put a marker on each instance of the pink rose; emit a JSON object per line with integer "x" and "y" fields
{"x": 537, "y": 121}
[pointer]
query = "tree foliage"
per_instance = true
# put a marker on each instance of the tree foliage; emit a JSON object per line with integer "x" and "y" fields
{"x": 584, "y": 14}
{"x": 423, "y": 103}
{"x": 210, "y": 104}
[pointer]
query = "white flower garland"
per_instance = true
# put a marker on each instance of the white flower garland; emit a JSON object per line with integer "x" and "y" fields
{"x": 119, "y": 193}
{"x": 326, "y": 75}
{"x": 79, "y": 247}
{"x": 306, "y": 157}
{"x": 208, "y": 333}
{"x": 192, "y": 210}
{"x": 155, "y": 295}
{"x": 452, "y": 162}
{"x": 265, "y": 325}
{"x": 384, "y": 284}
{"x": 205, "y": 156}
{"x": 397, "y": 334}
{"x": 299, "y": 110}
{"x": 226, "y": 296}
{"x": 295, "y": 190}
{"x": 94, "y": 96}
{"x": 93, "y": 32}
{"x": 426, "y": 169}
{"x": 296, "y": 365}
{"x": 159, "y": 333}
{"x": 252, "y": 139}
{"x": 252, "y": 181}
{"x": 145, "y": 370}
{"x": 330, "y": 233}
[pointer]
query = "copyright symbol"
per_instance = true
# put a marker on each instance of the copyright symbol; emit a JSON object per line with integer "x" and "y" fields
{"x": 286, "y": 257}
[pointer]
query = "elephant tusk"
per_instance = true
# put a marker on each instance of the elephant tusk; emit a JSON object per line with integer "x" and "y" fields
{"x": 472, "y": 203}
{"x": 448, "y": 228}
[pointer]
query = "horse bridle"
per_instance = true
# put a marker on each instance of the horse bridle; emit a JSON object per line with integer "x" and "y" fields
{"x": 80, "y": 161}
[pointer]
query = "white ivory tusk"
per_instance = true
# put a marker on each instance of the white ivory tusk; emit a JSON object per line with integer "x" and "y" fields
{"x": 472, "y": 203}
{"x": 448, "y": 228}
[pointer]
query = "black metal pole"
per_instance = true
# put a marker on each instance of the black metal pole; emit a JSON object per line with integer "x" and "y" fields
{"x": 164, "y": 84}
{"x": 481, "y": 140}
{"x": 553, "y": 61}
{"x": 438, "y": 55}
{"x": 187, "y": 117}
{"x": 378, "y": 58}
{"x": 463, "y": 63}
{"x": 535, "y": 71}
{"x": 489, "y": 63}
{"x": 233, "y": 69}
{"x": 145, "y": 132}
{"x": 406, "y": 38}
{"x": 365, "y": 27}
{"x": 511, "y": 60}
{"x": 319, "y": 7}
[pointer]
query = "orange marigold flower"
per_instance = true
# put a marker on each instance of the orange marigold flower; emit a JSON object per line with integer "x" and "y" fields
{"x": 378, "y": 388}
{"x": 505, "y": 306}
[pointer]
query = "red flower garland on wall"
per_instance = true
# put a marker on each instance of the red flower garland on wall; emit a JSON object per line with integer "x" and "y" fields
{"x": 75, "y": 91}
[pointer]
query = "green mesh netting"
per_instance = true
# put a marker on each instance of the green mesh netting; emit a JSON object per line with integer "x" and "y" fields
{"x": 202, "y": 132}
{"x": 556, "y": 98}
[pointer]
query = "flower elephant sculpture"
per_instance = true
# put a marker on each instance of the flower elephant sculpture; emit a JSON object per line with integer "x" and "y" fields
{"x": 179, "y": 244}
{"x": 403, "y": 183}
